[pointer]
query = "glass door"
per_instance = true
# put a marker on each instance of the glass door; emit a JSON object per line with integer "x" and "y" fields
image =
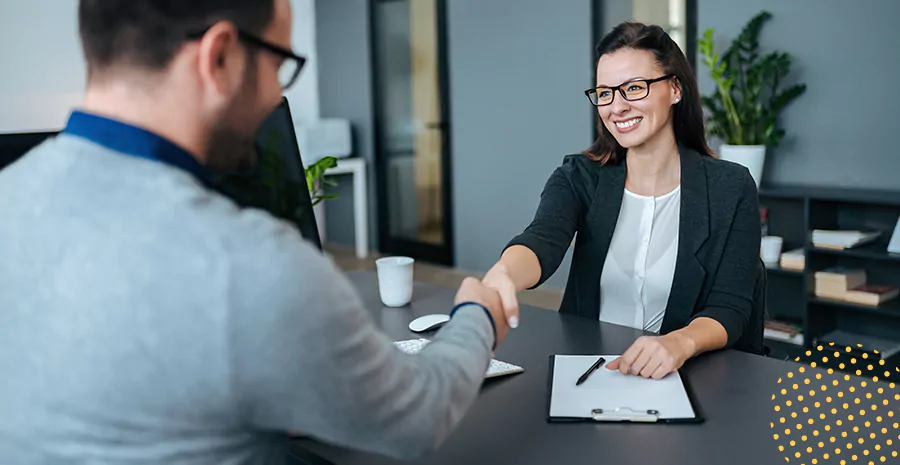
{"x": 412, "y": 143}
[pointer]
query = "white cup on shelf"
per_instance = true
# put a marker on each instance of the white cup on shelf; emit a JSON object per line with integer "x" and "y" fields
{"x": 770, "y": 249}
{"x": 395, "y": 280}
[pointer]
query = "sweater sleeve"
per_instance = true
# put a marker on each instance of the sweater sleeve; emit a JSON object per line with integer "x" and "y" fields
{"x": 307, "y": 357}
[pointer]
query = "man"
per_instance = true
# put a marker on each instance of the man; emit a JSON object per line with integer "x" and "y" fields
{"x": 146, "y": 319}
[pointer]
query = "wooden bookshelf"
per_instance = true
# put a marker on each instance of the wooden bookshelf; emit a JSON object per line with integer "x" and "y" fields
{"x": 793, "y": 213}
{"x": 875, "y": 251}
{"x": 890, "y": 308}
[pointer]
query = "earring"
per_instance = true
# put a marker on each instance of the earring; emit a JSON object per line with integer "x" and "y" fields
{"x": 677, "y": 100}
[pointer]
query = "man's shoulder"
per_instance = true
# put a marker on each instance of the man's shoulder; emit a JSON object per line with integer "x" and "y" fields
{"x": 152, "y": 199}
{"x": 247, "y": 236}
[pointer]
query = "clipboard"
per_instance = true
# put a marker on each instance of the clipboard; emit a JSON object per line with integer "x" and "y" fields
{"x": 683, "y": 408}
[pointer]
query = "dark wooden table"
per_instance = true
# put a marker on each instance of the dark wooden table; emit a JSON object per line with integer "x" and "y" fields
{"x": 507, "y": 424}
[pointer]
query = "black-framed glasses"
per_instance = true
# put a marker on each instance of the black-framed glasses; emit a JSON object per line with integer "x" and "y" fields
{"x": 632, "y": 90}
{"x": 290, "y": 67}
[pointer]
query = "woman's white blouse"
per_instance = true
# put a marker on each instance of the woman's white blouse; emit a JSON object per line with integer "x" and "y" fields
{"x": 637, "y": 275}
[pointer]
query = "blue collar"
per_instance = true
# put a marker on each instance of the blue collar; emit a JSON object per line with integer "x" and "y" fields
{"x": 134, "y": 141}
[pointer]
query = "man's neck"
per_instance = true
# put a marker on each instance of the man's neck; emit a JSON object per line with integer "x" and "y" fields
{"x": 145, "y": 110}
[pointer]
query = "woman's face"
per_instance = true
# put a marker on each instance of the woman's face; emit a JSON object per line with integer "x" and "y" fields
{"x": 634, "y": 123}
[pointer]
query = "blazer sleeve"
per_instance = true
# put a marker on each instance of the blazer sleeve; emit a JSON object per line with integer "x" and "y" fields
{"x": 555, "y": 222}
{"x": 730, "y": 300}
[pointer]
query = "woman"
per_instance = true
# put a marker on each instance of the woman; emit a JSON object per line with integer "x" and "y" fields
{"x": 668, "y": 236}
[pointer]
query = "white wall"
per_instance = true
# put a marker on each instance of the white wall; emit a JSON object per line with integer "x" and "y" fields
{"x": 304, "y": 96}
{"x": 42, "y": 74}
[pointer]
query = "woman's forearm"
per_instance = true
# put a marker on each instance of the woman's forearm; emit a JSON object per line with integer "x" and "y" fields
{"x": 701, "y": 335}
{"x": 521, "y": 265}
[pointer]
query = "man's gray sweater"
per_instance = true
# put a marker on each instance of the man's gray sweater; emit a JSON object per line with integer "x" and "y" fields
{"x": 146, "y": 319}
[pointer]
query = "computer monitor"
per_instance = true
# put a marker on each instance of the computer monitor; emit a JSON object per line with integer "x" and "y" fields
{"x": 277, "y": 183}
{"x": 13, "y": 146}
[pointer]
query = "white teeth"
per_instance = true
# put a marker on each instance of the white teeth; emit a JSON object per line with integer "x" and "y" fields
{"x": 629, "y": 123}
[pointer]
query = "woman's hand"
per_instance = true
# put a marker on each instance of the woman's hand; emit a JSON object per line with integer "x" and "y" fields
{"x": 655, "y": 356}
{"x": 498, "y": 279}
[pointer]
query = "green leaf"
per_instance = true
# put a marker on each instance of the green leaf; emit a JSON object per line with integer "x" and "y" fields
{"x": 315, "y": 179}
{"x": 769, "y": 129}
{"x": 790, "y": 94}
{"x": 776, "y": 138}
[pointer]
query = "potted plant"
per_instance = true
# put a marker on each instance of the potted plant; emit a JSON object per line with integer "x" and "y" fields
{"x": 316, "y": 182}
{"x": 318, "y": 189}
{"x": 744, "y": 108}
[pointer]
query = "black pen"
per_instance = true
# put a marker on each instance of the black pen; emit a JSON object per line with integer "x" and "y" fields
{"x": 600, "y": 361}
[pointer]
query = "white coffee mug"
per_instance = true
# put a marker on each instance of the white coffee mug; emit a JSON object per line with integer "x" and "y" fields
{"x": 770, "y": 250}
{"x": 395, "y": 280}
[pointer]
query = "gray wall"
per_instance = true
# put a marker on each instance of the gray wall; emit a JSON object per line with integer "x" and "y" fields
{"x": 843, "y": 131}
{"x": 517, "y": 72}
{"x": 615, "y": 12}
{"x": 345, "y": 91}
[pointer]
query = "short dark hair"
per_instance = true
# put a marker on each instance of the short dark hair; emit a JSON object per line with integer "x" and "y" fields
{"x": 148, "y": 33}
{"x": 688, "y": 114}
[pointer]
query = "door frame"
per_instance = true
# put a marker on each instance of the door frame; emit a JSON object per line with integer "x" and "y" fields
{"x": 387, "y": 244}
{"x": 690, "y": 31}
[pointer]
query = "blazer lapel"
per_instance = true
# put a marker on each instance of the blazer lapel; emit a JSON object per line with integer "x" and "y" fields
{"x": 693, "y": 231}
{"x": 601, "y": 220}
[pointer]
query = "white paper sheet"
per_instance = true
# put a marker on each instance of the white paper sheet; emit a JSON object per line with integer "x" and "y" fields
{"x": 609, "y": 390}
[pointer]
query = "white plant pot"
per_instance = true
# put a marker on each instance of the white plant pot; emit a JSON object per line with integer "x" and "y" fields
{"x": 751, "y": 156}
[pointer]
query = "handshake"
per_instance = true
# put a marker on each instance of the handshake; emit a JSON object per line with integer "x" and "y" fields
{"x": 497, "y": 293}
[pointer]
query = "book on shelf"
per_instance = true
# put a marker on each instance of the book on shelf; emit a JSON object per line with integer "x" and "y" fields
{"x": 843, "y": 239}
{"x": 793, "y": 259}
{"x": 866, "y": 294}
{"x": 840, "y": 278}
{"x": 782, "y": 331}
{"x": 796, "y": 339}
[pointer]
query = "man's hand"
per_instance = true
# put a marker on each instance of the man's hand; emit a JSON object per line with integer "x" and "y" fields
{"x": 499, "y": 280}
{"x": 654, "y": 356}
{"x": 472, "y": 290}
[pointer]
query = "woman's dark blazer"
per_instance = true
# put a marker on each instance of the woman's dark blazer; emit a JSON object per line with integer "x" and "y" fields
{"x": 718, "y": 247}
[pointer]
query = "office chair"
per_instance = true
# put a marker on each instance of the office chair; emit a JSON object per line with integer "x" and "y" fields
{"x": 13, "y": 146}
{"x": 752, "y": 340}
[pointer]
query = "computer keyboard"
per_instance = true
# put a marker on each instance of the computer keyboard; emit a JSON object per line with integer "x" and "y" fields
{"x": 496, "y": 368}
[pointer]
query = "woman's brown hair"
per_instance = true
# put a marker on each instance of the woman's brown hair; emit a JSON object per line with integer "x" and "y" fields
{"x": 687, "y": 116}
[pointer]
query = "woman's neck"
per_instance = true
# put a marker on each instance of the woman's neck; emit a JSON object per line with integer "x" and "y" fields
{"x": 653, "y": 168}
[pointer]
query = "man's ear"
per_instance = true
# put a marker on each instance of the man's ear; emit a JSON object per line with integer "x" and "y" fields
{"x": 221, "y": 60}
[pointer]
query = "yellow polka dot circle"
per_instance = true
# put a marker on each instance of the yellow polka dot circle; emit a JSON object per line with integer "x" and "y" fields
{"x": 863, "y": 439}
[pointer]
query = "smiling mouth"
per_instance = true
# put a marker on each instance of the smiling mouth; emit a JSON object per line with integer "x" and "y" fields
{"x": 629, "y": 123}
